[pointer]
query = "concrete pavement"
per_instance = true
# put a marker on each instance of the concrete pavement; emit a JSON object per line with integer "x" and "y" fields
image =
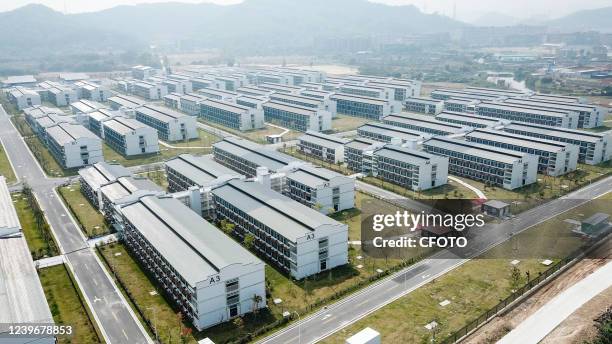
{"x": 533, "y": 329}
{"x": 357, "y": 306}
{"x": 110, "y": 310}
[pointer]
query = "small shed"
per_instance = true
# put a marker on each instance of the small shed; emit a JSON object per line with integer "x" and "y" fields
{"x": 496, "y": 208}
{"x": 365, "y": 336}
{"x": 274, "y": 138}
{"x": 595, "y": 223}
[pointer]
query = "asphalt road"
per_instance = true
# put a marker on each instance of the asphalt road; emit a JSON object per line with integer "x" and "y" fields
{"x": 113, "y": 315}
{"x": 333, "y": 318}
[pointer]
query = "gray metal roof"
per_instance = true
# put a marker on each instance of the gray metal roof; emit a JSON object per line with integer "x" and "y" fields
{"x": 362, "y": 143}
{"x": 22, "y": 299}
{"x": 313, "y": 176}
{"x": 550, "y": 104}
{"x": 255, "y": 153}
{"x": 40, "y": 111}
{"x": 102, "y": 173}
{"x": 324, "y": 140}
{"x": 102, "y": 115}
{"x": 283, "y": 97}
{"x": 227, "y": 106}
{"x": 86, "y": 106}
{"x": 126, "y": 186}
{"x": 423, "y": 100}
{"x": 192, "y": 246}
{"x": 19, "y": 79}
{"x": 8, "y": 215}
{"x": 291, "y": 219}
{"x": 476, "y": 149}
{"x": 390, "y": 130}
{"x": 160, "y": 113}
{"x": 360, "y": 99}
{"x": 124, "y": 125}
{"x": 127, "y": 101}
{"x": 572, "y": 134}
{"x": 470, "y": 118}
{"x": 200, "y": 169}
{"x": 518, "y": 140}
{"x": 523, "y": 109}
{"x": 423, "y": 121}
{"x": 300, "y": 110}
{"x": 64, "y": 133}
{"x": 404, "y": 154}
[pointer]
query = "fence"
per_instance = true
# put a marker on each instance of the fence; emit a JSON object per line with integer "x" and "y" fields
{"x": 492, "y": 312}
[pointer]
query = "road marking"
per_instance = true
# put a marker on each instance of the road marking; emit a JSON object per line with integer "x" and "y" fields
{"x": 425, "y": 276}
{"x": 96, "y": 299}
{"x": 125, "y": 334}
{"x": 326, "y": 316}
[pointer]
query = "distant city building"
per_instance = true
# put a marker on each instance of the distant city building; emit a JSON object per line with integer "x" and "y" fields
{"x": 143, "y": 72}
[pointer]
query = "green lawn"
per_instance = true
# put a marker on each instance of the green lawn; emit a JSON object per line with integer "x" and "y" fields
{"x": 47, "y": 161}
{"x": 258, "y": 135}
{"x": 347, "y": 123}
{"x": 66, "y": 308}
{"x": 158, "y": 177}
{"x": 10, "y": 108}
{"x": 38, "y": 235}
{"x": 6, "y": 169}
{"x": 205, "y": 139}
{"x": 474, "y": 287}
{"x": 91, "y": 220}
{"x": 451, "y": 190}
{"x": 165, "y": 153}
{"x": 22, "y": 126}
{"x": 293, "y": 151}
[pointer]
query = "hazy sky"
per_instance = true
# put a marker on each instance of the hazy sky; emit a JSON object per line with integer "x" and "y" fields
{"x": 465, "y": 9}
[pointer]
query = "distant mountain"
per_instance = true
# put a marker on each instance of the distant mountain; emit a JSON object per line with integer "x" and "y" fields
{"x": 598, "y": 20}
{"x": 262, "y": 25}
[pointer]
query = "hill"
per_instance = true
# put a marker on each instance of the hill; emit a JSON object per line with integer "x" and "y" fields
{"x": 587, "y": 20}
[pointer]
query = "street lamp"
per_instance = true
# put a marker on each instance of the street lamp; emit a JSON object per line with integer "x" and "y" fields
{"x": 154, "y": 322}
{"x": 299, "y": 328}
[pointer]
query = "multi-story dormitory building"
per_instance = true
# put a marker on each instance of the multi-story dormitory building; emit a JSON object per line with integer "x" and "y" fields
{"x": 385, "y": 93}
{"x": 254, "y": 91}
{"x": 231, "y": 83}
{"x": 493, "y": 165}
{"x": 358, "y": 106}
{"x": 208, "y": 276}
{"x": 297, "y": 117}
{"x": 410, "y": 168}
{"x": 424, "y": 123}
{"x": 469, "y": 120}
{"x": 359, "y": 154}
{"x": 198, "y": 83}
{"x": 143, "y": 72}
{"x": 190, "y": 103}
{"x": 594, "y": 148}
{"x": 297, "y": 239}
{"x": 172, "y": 85}
{"x": 218, "y": 94}
{"x": 130, "y": 137}
{"x": 272, "y": 78}
{"x": 231, "y": 115}
{"x": 424, "y": 105}
{"x": 280, "y": 88}
{"x": 459, "y": 104}
{"x": 92, "y": 91}
{"x": 322, "y": 146}
{"x": 245, "y": 157}
{"x": 589, "y": 116}
{"x": 96, "y": 119}
{"x": 150, "y": 90}
{"x": 96, "y": 176}
{"x": 121, "y": 101}
{"x": 320, "y": 189}
{"x": 170, "y": 124}
{"x": 447, "y": 93}
{"x": 56, "y": 93}
{"x": 402, "y": 88}
{"x": 172, "y": 100}
{"x": 42, "y": 123}
{"x": 388, "y": 133}
{"x": 555, "y": 158}
{"x": 252, "y": 102}
{"x": 37, "y": 111}
{"x": 122, "y": 191}
{"x": 305, "y": 101}
{"x": 72, "y": 145}
{"x": 23, "y": 97}
{"x": 186, "y": 171}
{"x": 511, "y": 112}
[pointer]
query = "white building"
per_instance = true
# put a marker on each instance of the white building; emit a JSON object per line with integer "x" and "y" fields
{"x": 150, "y": 90}
{"x": 73, "y": 145}
{"x": 121, "y": 101}
{"x": 190, "y": 103}
{"x": 171, "y": 125}
{"x": 322, "y": 146}
{"x": 231, "y": 115}
{"x": 94, "y": 177}
{"x": 388, "y": 133}
{"x": 359, "y": 154}
{"x": 470, "y": 120}
{"x": 320, "y": 189}
{"x": 297, "y": 117}
{"x": 82, "y": 108}
{"x": 302, "y": 100}
{"x": 367, "y": 107}
{"x": 589, "y": 116}
{"x": 56, "y": 93}
{"x": 204, "y": 273}
{"x": 130, "y": 137}
{"x": 92, "y": 91}
{"x": 9, "y": 221}
{"x": 143, "y": 72}
{"x": 424, "y": 123}
{"x": 23, "y": 97}
{"x": 211, "y": 93}
{"x": 594, "y": 147}
{"x": 491, "y": 165}
{"x": 410, "y": 168}
{"x": 299, "y": 240}
{"x": 511, "y": 112}
{"x": 555, "y": 158}
{"x": 424, "y": 105}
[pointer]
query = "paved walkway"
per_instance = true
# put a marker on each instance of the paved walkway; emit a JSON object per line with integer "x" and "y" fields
{"x": 176, "y": 147}
{"x": 477, "y": 191}
{"x": 547, "y": 318}
{"x": 279, "y": 127}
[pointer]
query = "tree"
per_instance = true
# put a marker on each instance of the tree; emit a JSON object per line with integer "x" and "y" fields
{"x": 227, "y": 227}
{"x": 515, "y": 278}
{"x": 249, "y": 241}
{"x": 256, "y": 301}
{"x": 238, "y": 322}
